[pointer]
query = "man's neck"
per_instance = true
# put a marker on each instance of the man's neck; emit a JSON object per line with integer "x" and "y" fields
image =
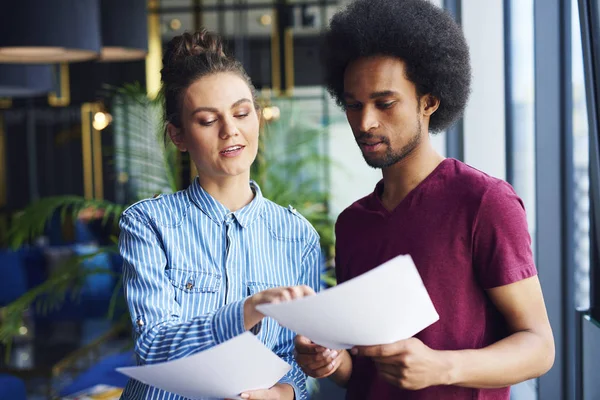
{"x": 401, "y": 178}
{"x": 234, "y": 192}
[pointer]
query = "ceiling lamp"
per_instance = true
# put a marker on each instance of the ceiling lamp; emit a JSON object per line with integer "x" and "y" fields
{"x": 49, "y": 31}
{"x": 124, "y": 30}
{"x": 18, "y": 80}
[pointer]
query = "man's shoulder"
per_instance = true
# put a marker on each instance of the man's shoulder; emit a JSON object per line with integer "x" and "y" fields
{"x": 472, "y": 183}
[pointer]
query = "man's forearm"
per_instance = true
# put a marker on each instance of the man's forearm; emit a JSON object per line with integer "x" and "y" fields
{"x": 521, "y": 356}
{"x": 342, "y": 375}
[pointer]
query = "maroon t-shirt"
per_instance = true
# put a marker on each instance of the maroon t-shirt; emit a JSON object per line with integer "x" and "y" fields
{"x": 466, "y": 232}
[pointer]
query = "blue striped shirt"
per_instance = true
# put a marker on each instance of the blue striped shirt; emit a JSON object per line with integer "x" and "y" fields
{"x": 189, "y": 264}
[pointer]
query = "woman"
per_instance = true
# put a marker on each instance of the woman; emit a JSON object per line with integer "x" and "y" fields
{"x": 198, "y": 262}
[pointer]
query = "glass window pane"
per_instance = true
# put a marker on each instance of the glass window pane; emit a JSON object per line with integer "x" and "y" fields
{"x": 522, "y": 129}
{"x": 580, "y": 167}
{"x": 522, "y": 107}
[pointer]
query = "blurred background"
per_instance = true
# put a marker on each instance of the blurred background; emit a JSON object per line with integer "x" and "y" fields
{"x": 81, "y": 139}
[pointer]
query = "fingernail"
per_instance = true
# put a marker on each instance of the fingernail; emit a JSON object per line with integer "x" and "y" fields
{"x": 326, "y": 353}
{"x": 244, "y": 395}
{"x": 334, "y": 354}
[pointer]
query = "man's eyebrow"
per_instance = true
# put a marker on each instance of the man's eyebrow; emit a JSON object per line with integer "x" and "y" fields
{"x": 374, "y": 95}
{"x": 383, "y": 93}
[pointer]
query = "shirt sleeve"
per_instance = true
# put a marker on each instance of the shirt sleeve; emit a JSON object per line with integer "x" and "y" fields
{"x": 502, "y": 251}
{"x": 161, "y": 335}
{"x": 311, "y": 276}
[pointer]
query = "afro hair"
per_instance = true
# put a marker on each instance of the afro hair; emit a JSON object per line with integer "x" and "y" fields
{"x": 424, "y": 36}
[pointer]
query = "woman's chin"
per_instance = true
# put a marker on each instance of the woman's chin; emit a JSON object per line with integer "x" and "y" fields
{"x": 236, "y": 171}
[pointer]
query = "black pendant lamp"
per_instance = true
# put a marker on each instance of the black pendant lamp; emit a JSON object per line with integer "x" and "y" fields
{"x": 124, "y": 30}
{"x": 49, "y": 31}
{"x": 18, "y": 80}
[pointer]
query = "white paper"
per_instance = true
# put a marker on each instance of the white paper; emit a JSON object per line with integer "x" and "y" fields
{"x": 387, "y": 304}
{"x": 224, "y": 371}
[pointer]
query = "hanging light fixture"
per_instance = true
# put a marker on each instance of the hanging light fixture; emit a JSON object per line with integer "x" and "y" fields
{"x": 124, "y": 30}
{"x": 49, "y": 31}
{"x": 18, "y": 80}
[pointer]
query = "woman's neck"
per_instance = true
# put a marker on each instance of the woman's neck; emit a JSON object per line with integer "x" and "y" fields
{"x": 234, "y": 192}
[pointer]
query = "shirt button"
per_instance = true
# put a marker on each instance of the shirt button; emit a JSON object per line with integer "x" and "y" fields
{"x": 189, "y": 286}
{"x": 140, "y": 322}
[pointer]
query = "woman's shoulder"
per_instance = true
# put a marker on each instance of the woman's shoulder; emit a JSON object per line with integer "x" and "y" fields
{"x": 164, "y": 209}
{"x": 287, "y": 223}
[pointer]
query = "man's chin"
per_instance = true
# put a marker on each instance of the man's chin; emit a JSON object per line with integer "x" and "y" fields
{"x": 375, "y": 162}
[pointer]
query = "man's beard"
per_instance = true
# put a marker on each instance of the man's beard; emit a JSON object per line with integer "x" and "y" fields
{"x": 390, "y": 157}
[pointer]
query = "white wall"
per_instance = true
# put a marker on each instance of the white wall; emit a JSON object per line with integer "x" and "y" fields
{"x": 351, "y": 177}
{"x": 484, "y": 124}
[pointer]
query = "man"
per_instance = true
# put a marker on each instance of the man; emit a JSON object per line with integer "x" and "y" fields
{"x": 400, "y": 69}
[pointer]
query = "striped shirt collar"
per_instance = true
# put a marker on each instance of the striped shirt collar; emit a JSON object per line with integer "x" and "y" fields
{"x": 218, "y": 213}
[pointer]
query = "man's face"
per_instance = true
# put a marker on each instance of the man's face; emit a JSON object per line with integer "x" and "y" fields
{"x": 383, "y": 109}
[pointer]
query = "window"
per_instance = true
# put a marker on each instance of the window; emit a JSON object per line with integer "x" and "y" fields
{"x": 581, "y": 181}
{"x": 520, "y": 105}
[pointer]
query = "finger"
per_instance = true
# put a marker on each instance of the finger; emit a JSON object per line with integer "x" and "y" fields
{"x": 315, "y": 361}
{"x": 296, "y": 292}
{"x": 285, "y": 295}
{"x": 383, "y": 350}
{"x": 307, "y": 290}
{"x": 258, "y": 395}
{"x": 397, "y": 359}
{"x": 390, "y": 369}
{"x": 325, "y": 370}
{"x": 390, "y": 378}
{"x": 303, "y": 290}
{"x": 305, "y": 345}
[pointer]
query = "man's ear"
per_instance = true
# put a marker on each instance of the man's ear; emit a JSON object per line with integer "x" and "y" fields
{"x": 430, "y": 104}
{"x": 176, "y": 137}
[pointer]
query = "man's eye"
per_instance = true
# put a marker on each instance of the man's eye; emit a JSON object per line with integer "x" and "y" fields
{"x": 386, "y": 105}
{"x": 352, "y": 106}
{"x": 208, "y": 123}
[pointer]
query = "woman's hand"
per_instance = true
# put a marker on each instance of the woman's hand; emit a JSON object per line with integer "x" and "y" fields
{"x": 274, "y": 295}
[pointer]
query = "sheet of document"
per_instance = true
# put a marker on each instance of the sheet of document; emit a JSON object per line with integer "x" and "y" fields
{"x": 387, "y": 304}
{"x": 224, "y": 371}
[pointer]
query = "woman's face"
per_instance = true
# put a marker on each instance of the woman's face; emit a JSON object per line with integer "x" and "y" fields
{"x": 219, "y": 125}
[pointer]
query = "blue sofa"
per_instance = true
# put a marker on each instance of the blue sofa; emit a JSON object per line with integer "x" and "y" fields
{"x": 12, "y": 388}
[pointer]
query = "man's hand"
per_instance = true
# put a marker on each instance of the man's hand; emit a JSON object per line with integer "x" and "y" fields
{"x": 275, "y": 295}
{"x": 314, "y": 360}
{"x": 280, "y": 391}
{"x": 409, "y": 364}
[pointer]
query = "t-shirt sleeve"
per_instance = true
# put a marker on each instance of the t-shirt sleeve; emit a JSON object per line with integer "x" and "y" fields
{"x": 502, "y": 251}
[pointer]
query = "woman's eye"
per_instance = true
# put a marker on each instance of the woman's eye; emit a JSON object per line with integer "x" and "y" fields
{"x": 243, "y": 115}
{"x": 208, "y": 123}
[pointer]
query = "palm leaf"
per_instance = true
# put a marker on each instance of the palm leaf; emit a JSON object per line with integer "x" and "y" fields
{"x": 32, "y": 221}
{"x": 51, "y": 294}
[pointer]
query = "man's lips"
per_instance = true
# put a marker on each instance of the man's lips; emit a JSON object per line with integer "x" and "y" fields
{"x": 371, "y": 145}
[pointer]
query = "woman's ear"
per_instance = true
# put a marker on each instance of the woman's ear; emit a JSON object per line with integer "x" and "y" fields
{"x": 176, "y": 137}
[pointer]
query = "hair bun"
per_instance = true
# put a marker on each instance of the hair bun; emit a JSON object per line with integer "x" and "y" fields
{"x": 194, "y": 44}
